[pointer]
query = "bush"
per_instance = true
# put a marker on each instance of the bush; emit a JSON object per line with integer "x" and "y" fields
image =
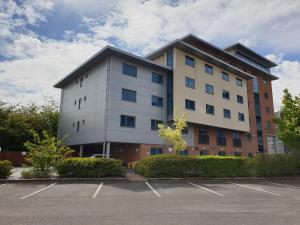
{"x": 28, "y": 174}
{"x": 90, "y": 167}
{"x": 5, "y": 168}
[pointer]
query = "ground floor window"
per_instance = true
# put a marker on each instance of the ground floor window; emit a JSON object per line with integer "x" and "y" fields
{"x": 221, "y": 153}
{"x": 237, "y": 154}
{"x": 183, "y": 152}
{"x": 155, "y": 151}
{"x": 204, "y": 152}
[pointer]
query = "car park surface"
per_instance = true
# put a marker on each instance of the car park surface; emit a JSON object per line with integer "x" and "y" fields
{"x": 205, "y": 202}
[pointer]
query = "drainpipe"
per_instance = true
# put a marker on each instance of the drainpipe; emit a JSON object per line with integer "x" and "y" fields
{"x": 106, "y": 106}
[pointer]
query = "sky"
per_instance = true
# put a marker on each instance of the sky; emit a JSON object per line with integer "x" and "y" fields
{"x": 41, "y": 41}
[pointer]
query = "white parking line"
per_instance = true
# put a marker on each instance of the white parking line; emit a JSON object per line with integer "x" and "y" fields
{"x": 38, "y": 191}
{"x": 196, "y": 185}
{"x": 2, "y": 185}
{"x": 258, "y": 189}
{"x": 283, "y": 185}
{"x": 152, "y": 189}
{"x": 97, "y": 191}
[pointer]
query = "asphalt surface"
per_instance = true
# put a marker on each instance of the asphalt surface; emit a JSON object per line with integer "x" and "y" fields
{"x": 155, "y": 202}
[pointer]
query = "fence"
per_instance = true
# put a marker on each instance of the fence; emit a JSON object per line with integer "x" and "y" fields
{"x": 17, "y": 158}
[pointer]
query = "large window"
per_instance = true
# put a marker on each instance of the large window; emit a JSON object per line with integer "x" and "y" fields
{"x": 226, "y": 94}
{"x": 241, "y": 117}
{"x": 190, "y": 104}
{"x": 127, "y": 121}
{"x": 209, "y": 69}
{"x": 210, "y": 109}
{"x": 189, "y": 61}
{"x": 157, "y": 101}
{"x": 221, "y": 139}
{"x": 240, "y": 99}
{"x": 227, "y": 113}
{"x": 225, "y": 76}
{"x": 128, "y": 95}
{"x": 155, "y": 151}
{"x": 209, "y": 89}
{"x": 239, "y": 82}
{"x": 129, "y": 70}
{"x": 203, "y": 136}
{"x": 236, "y": 139}
{"x": 157, "y": 78}
{"x": 78, "y": 126}
{"x": 154, "y": 124}
{"x": 189, "y": 82}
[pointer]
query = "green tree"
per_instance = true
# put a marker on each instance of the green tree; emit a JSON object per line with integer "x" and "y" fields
{"x": 45, "y": 153}
{"x": 288, "y": 122}
{"x": 173, "y": 135}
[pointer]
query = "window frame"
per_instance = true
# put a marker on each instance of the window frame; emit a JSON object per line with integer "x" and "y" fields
{"x": 157, "y": 78}
{"x": 240, "y": 99}
{"x": 209, "y": 69}
{"x": 154, "y": 124}
{"x": 208, "y": 88}
{"x": 126, "y": 122}
{"x": 159, "y": 103}
{"x": 241, "y": 117}
{"x": 190, "y": 61}
{"x": 124, "y": 95}
{"x": 225, "y": 92}
{"x": 190, "y": 83}
{"x": 190, "y": 101}
{"x": 126, "y": 72}
{"x": 208, "y": 107}
{"x": 225, "y": 74}
{"x": 239, "y": 82}
{"x": 224, "y": 114}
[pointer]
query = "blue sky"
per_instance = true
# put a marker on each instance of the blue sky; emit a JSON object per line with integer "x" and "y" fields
{"x": 43, "y": 40}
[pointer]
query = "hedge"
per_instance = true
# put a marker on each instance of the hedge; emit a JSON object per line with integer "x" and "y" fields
{"x": 90, "y": 167}
{"x": 5, "y": 168}
{"x": 161, "y": 166}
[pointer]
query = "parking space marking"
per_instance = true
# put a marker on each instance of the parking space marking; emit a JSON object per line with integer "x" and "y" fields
{"x": 98, "y": 189}
{"x": 152, "y": 189}
{"x": 258, "y": 189}
{"x": 2, "y": 185}
{"x": 196, "y": 185}
{"x": 38, "y": 191}
{"x": 283, "y": 185}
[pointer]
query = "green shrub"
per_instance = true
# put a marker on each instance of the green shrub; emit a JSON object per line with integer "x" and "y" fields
{"x": 28, "y": 174}
{"x": 5, "y": 168}
{"x": 90, "y": 167}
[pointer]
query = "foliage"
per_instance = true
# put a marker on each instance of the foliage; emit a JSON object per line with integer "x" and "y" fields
{"x": 17, "y": 121}
{"x": 289, "y": 121}
{"x": 28, "y": 174}
{"x": 216, "y": 166}
{"x": 173, "y": 136}
{"x": 45, "y": 153}
{"x": 90, "y": 167}
{"x": 5, "y": 168}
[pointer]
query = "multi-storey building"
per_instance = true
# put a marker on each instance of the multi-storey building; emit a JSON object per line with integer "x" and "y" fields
{"x": 112, "y": 103}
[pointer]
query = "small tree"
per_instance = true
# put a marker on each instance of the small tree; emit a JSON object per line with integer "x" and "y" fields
{"x": 173, "y": 135}
{"x": 44, "y": 153}
{"x": 289, "y": 121}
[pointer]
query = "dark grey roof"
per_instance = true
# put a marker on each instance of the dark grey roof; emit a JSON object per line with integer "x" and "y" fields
{"x": 102, "y": 55}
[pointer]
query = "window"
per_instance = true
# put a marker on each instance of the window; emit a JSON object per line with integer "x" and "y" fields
{"x": 189, "y": 61}
{"x": 236, "y": 139}
{"x": 189, "y": 104}
{"x": 268, "y": 125}
{"x": 221, "y": 139}
{"x": 84, "y": 99}
{"x": 154, "y": 124}
{"x": 78, "y": 125}
{"x": 240, "y": 99}
{"x": 75, "y": 102}
{"x": 86, "y": 76}
{"x": 268, "y": 109}
{"x": 157, "y": 101}
{"x": 210, "y": 109}
{"x": 225, "y": 76}
{"x": 250, "y": 155}
{"x": 189, "y": 82}
{"x": 204, "y": 152}
{"x": 264, "y": 82}
{"x": 155, "y": 151}
{"x": 237, "y": 154}
{"x": 221, "y": 153}
{"x": 83, "y": 121}
{"x": 266, "y": 95}
{"x": 81, "y": 82}
{"x": 129, "y": 70}
{"x": 209, "y": 69}
{"x": 127, "y": 121}
{"x": 209, "y": 89}
{"x": 227, "y": 113}
{"x": 79, "y": 103}
{"x": 157, "y": 78}
{"x": 73, "y": 124}
{"x": 183, "y": 152}
{"x": 203, "y": 137}
{"x": 185, "y": 130}
{"x": 226, "y": 94}
{"x": 239, "y": 82}
{"x": 248, "y": 137}
{"x": 170, "y": 58}
{"x": 128, "y": 95}
{"x": 241, "y": 117}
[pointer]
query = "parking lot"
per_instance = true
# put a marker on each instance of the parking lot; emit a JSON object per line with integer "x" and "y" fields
{"x": 152, "y": 202}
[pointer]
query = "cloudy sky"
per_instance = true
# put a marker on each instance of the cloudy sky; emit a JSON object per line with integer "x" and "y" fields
{"x": 43, "y": 40}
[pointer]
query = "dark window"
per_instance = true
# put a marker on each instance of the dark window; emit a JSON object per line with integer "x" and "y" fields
{"x": 185, "y": 130}
{"x": 183, "y": 152}
{"x": 265, "y": 82}
{"x": 128, "y": 95}
{"x": 170, "y": 58}
{"x": 226, "y": 94}
{"x": 203, "y": 136}
{"x": 240, "y": 99}
{"x": 155, "y": 151}
{"x": 189, "y": 61}
{"x": 154, "y": 124}
{"x": 86, "y": 76}
{"x": 227, "y": 113}
{"x": 225, "y": 76}
{"x": 83, "y": 121}
{"x": 127, "y": 121}
{"x": 157, "y": 78}
{"x": 129, "y": 70}
{"x": 237, "y": 154}
{"x": 81, "y": 82}
{"x": 75, "y": 102}
{"x": 73, "y": 124}
{"x": 209, "y": 89}
{"x": 189, "y": 82}
{"x": 239, "y": 82}
{"x": 221, "y": 153}
{"x": 210, "y": 109}
{"x": 268, "y": 109}
{"x": 221, "y": 139}
{"x": 157, "y": 101}
{"x": 84, "y": 99}
{"x": 189, "y": 104}
{"x": 266, "y": 95}
{"x": 236, "y": 139}
{"x": 79, "y": 103}
{"x": 268, "y": 125}
{"x": 78, "y": 125}
{"x": 204, "y": 152}
{"x": 241, "y": 116}
{"x": 209, "y": 69}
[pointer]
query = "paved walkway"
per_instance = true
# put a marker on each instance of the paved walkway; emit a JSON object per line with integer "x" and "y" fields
{"x": 131, "y": 176}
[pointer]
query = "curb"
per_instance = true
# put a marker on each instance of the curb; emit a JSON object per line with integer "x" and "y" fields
{"x": 63, "y": 180}
{"x": 226, "y": 179}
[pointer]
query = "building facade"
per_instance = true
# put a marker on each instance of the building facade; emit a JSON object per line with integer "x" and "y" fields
{"x": 112, "y": 103}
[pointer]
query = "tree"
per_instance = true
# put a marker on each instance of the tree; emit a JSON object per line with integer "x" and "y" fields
{"x": 45, "y": 153}
{"x": 289, "y": 121}
{"x": 173, "y": 135}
